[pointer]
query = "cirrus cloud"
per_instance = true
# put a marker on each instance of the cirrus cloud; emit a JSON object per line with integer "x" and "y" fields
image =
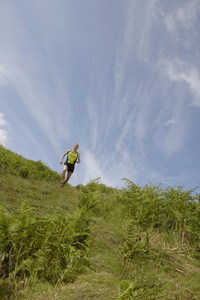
{"x": 182, "y": 71}
{"x": 3, "y": 131}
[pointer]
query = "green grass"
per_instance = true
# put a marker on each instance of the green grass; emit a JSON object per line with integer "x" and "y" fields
{"x": 94, "y": 242}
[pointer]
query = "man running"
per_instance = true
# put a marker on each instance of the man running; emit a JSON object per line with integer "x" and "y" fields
{"x": 72, "y": 158}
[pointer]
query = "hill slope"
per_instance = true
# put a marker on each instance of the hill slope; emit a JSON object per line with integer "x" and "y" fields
{"x": 94, "y": 242}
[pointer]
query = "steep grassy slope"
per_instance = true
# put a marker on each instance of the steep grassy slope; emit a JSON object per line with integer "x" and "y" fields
{"x": 94, "y": 242}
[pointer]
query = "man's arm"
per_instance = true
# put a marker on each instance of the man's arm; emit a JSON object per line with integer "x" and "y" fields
{"x": 79, "y": 158}
{"x": 64, "y": 156}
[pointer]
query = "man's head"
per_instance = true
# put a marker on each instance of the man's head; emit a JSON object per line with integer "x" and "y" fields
{"x": 76, "y": 146}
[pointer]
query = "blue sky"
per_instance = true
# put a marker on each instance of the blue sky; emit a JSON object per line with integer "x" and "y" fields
{"x": 119, "y": 77}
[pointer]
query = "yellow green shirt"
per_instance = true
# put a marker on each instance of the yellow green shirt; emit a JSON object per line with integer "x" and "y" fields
{"x": 72, "y": 157}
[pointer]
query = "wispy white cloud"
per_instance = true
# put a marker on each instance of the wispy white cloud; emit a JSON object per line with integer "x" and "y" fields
{"x": 140, "y": 124}
{"x": 174, "y": 139}
{"x": 3, "y": 76}
{"x": 170, "y": 122}
{"x": 3, "y": 131}
{"x": 127, "y": 126}
{"x": 2, "y": 120}
{"x": 184, "y": 16}
{"x": 170, "y": 133}
{"x": 111, "y": 164}
{"x": 3, "y": 137}
{"x": 181, "y": 71}
{"x": 94, "y": 120}
{"x": 185, "y": 179}
{"x": 134, "y": 46}
{"x": 181, "y": 22}
{"x": 32, "y": 73}
{"x": 136, "y": 41}
{"x": 93, "y": 169}
{"x": 187, "y": 15}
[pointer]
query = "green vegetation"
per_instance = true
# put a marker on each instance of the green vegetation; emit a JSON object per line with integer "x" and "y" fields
{"x": 19, "y": 166}
{"x": 93, "y": 241}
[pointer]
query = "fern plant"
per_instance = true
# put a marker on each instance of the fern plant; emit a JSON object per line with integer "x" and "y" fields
{"x": 143, "y": 287}
{"x": 93, "y": 198}
{"x": 166, "y": 210}
{"x": 51, "y": 249}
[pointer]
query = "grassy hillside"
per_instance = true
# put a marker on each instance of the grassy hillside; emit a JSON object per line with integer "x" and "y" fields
{"x": 93, "y": 241}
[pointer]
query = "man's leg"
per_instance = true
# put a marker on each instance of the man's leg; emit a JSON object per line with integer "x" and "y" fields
{"x": 63, "y": 172}
{"x": 69, "y": 174}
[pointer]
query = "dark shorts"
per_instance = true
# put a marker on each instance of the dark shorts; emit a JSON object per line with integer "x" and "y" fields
{"x": 70, "y": 167}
